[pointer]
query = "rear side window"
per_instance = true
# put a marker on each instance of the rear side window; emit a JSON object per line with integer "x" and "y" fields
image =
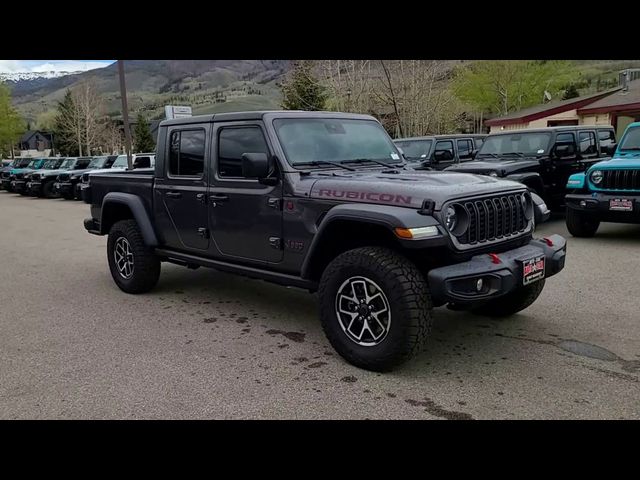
{"x": 464, "y": 149}
{"x": 479, "y": 142}
{"x": 82, "y": 163}
{"x": 186, "y": 153}
{"x": 235, "y": 141}
{"x": 587, "y": 143}
{"x": 606, "y": 137}
{"x": 564, "y": 138}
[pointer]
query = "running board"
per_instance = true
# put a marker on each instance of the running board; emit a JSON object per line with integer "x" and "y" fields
{"x": 252, "y": 272}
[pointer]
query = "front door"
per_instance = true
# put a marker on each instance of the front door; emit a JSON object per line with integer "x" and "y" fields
{"x": 181, "y": 193}
{"x": 245, "y": 216}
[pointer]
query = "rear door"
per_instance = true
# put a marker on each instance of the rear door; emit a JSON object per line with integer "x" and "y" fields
{"x": 181, "y": 192}
{"x": 443, "y": 154}
{"x": 587, "y": 150}
{"x": 465, "y": 149}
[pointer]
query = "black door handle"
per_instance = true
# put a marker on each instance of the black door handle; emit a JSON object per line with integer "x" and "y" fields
{"x": 219, "y": 197}
{"x": 174, "y": 194}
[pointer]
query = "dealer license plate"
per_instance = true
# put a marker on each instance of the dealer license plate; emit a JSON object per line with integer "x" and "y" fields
{"x": 532, "y": 270}
{"x": 621, "y": 204}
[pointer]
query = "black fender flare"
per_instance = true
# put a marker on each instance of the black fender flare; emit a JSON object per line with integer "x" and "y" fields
{"x": 387, "y": 216}
{"x": 134, "y": 202}
{"x": 530, "y": 178}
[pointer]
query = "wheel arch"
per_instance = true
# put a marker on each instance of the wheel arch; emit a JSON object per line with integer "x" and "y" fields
{"x": 346, "y": 227}
{"x": 118, "y": 206}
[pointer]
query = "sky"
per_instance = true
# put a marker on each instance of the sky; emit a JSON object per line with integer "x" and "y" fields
{"x": 7, "y": 66}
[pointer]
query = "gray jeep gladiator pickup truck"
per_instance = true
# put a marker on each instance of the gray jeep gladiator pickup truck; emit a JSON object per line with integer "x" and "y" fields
{"x": 323, "y": 201}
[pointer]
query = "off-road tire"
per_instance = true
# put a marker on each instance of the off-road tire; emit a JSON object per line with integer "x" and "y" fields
{"x": 580, "y": 225}
{"x": 146, "y": 269}
{"x": 47, "y": 190}
{"x": 409, "y": 302}
{"x": 511, "y": 303}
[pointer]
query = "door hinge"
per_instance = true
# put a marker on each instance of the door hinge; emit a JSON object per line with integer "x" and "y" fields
{"x": 274, "y": 203}
{"x": 203, "y": 232}
{"x": 275, "y": 242}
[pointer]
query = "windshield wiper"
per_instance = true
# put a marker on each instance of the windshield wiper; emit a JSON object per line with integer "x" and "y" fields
{"x": 514, "y": 153}
{"x": 316, "y": 163}
{"x": 363, "y": 160}
{"x": 630, "y": 148}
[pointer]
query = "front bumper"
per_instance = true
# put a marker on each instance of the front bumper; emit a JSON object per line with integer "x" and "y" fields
{"x": 85, "y": 192}
{"x": 63, "y": 188}
{"x": 598, "y": 206}
{"x": 19, "y": 186}
{"x": 456, "y": 283}
{"x": 35, "y": 188}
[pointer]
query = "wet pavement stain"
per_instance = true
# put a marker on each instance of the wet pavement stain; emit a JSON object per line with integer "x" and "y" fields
{"x": 297, "y": 337}
{"x": 241, "y": 320}
{"x": 437, "y": 411}
{"x": 588, "y": 350}
{"x": 210, "y": 320}
{"x": 317, "y": 364}
{"x": 349, "y": 379}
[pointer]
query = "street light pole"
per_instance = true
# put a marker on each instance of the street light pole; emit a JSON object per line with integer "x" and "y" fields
{"x": 125, "y": 114}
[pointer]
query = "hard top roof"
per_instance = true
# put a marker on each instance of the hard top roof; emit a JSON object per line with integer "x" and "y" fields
{"x": 443, "y": 136}
{"x": 561, "y": 128}
{"x": 259, "y": 115}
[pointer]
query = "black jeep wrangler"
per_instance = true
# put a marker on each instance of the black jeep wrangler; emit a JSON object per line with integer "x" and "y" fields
{"x": 438, "y": 152}
{"x": 542, "y": 158}
{"x": 323, "y": 201}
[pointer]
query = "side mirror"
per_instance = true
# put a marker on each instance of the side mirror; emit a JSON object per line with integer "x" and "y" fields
{"x": 442, "y": 155}
{"x": 611, "y": 149}
{"x": 474, "y": 153}
{"x": 565, "y": 150}
{"x": 255, "y": 165}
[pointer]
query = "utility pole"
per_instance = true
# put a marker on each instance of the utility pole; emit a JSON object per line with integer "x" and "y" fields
{"x": 125, "y": 114}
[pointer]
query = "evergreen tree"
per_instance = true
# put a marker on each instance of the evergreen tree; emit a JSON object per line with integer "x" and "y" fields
{"x": 301, "y": 90}
{"x": 571, "y": 92}
{"x": 64, "y": 135}
{"x": 142, "y": 138}
{"x": 11, "y": 125}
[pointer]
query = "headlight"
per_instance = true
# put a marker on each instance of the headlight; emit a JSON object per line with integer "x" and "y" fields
{"x": 527, "y": 205}
{"x": 493, "y": 174}
{"x": 451, "y": 219}
{"x": 597, "y": 176}
{"x": 75, "y": 177}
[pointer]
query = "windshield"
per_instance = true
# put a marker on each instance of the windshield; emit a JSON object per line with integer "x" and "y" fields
{"x": 306, "y": 140}
{"x": 516, "y": 143}
{"x": 24, "y": 163}
{"x": 68, "y": 163}
{"x": 631, "y": 140}
{"x": 97, "y": 162}
{"x": 121, "y": 162}
{"x": 415, "y": 149}
{"x": 50, "y": 164}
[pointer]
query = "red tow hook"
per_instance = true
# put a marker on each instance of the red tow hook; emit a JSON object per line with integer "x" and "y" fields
{"x": 495, "y": 258}
{"x": 547, "y": 241}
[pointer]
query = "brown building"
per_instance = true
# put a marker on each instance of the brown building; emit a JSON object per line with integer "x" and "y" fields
{"x": 617, "y": 107}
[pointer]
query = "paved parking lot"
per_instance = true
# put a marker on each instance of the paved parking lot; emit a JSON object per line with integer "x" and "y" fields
{"x": 206, "y": 344}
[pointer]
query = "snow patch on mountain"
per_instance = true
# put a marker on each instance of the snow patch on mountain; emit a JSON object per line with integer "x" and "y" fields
{"x": 20, "y": 76}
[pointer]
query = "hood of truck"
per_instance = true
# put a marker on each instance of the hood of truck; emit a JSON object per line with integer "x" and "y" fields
{"x": 502, "y": 166}
{"x": 48, "y": 173}
{"x": 626, "y": 161}
{"x": 405, "y": 189}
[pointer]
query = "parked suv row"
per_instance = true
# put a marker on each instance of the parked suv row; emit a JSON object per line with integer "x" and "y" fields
{"x": 62, "y": 176}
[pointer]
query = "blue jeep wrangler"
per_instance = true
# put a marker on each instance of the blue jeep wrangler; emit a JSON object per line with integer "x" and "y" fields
{"x": 609, "y": 191}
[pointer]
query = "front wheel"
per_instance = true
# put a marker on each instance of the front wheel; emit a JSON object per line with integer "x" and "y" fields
{"x": 375, "y": 307}
{"x": 580, "y": 224}
{"x": 511, "y": 303}
{"x": 134, "y": 267}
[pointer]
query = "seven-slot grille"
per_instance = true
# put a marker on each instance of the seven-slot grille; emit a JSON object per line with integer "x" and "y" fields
{"x": 19, "y": 176}
{"x": 493, "y": 218}
{"x": 64, "y": 177}
{"x": 621, "y": 180}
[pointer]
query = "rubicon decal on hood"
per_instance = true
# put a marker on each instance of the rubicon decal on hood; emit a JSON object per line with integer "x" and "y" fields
{"x": 365, "y": 196}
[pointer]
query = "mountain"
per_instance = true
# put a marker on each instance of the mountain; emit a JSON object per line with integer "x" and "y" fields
{"x": 17, "y": 77}
{"x": 206, "y": 85}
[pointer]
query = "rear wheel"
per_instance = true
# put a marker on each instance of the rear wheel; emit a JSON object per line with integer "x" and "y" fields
{"x": 511, "y": 303}
{"x": 580, "y": 224}
{"x": 375, "y": 307}
{"x": 134, "y": 267}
